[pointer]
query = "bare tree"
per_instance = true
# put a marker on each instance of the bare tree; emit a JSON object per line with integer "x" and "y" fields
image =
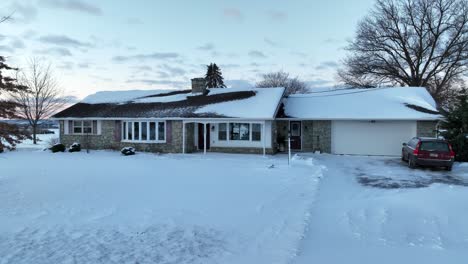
{"x": 43, "y": 97}
{"x": 410, "y": 43}
{"x": 282, "y": 79}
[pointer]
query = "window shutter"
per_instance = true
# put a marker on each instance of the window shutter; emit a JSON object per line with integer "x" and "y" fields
{"x": 95, "y": 127}
{"x": 99, "y": 127}
{"x": 169, "y": 131}
{"x": 64, "y": 127}
{"x": 118, "y": 131}
{"x": 70, "y": 127}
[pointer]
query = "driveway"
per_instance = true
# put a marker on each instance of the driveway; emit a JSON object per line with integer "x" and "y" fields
{"x": 376, "y": 210}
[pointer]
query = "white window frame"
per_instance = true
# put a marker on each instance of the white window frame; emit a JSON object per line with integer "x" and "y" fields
{"x": 228, "y": 132}
{"x": 125, "y": 124}
{"x": 82, "y": 127}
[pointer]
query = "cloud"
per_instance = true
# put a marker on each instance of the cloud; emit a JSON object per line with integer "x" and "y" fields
{"x": 67, "y": 65}
{"x": 73, "y": 5}
{"x": 14, "y": 43}
{"x": 332, "y": 40}
{"x": 233, "y": 13}
{"x": 277, "y": 16}
{"x": 23, "y": 13}
{"x": 271, "y": 42}
{"x": 327, "y": 65}
{"x": 173, "y": 71}
{"x": 319, "y": 83}
{"x": 142, "y": 68}
{"x": 238, "y": 84}
{"x": 6, "y": 48}
{"x": 62, "y": 52}
{"x": 62, "y": 40}
{"x": 84, "y": 65}
{"x": 207, "y": 46}
{"x": 176, "y": 84}
{"x": 257, "y": 54}
{"x": 134, "y": 21}
{"x": 151, "y": 56}
{"x": 229, "y": 65}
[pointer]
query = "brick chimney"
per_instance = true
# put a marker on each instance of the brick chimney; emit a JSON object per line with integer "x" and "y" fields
{"x": 198, "y": 85}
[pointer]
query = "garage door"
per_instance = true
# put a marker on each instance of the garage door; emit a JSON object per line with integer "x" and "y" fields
{"x": 371, "y": 138}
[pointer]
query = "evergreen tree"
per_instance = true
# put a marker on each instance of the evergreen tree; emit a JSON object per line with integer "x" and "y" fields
{"x": 455, "y": 125}
{"x": 9, "y": 133}
{"x": 214, "y": 77}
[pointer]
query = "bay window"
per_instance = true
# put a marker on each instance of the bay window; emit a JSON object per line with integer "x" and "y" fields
{"x": 144, "y": 131}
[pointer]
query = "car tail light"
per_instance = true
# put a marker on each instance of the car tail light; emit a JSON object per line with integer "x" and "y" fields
{"x": 452, "y": 153}
{"x": 416, "y": 149}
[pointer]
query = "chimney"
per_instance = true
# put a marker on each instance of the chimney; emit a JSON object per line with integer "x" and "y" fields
{"x": 199, "y": 85}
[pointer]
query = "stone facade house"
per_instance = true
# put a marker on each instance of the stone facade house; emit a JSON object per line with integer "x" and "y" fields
{"x": 250, "y": 120}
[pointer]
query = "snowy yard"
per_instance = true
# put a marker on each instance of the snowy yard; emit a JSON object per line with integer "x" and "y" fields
{"x": 105, "y": 208}
{"x": 376, "y": 210}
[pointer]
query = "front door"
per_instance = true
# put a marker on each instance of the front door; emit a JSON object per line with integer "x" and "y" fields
{"x": 201, "y": 139}
{"x": 295, "y": 129}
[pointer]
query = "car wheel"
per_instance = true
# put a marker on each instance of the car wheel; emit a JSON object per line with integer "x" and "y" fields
{"x": 449, "y": 168}
{"x": 411, "y": 163}
{"x": 403, "y": 156}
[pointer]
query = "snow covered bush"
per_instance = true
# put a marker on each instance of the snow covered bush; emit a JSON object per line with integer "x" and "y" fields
{"x": 58, "y": 148}
{"x": 128, "y": 151}
{"x": 52, "y": 142}
{"x": 75, "y": 147}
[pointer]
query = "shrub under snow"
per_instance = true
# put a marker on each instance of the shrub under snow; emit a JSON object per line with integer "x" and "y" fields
{"x": 127, "y": 151}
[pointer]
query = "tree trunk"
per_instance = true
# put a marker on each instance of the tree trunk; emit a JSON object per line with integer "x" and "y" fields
{"x": 34, "y": 129}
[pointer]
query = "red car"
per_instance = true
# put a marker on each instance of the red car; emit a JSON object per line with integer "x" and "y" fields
{"x": 428, "y": 152}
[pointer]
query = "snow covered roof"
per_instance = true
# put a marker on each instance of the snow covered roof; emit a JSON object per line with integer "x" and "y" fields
{"x": 389, "y": 103}
{"x": 246, "y": 103}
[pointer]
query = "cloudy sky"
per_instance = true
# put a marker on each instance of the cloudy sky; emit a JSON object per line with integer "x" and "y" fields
{"x": 142, "y": 44}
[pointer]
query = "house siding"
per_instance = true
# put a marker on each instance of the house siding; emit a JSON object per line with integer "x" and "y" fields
{"x": 316, "y": 135}
{"x": 426, "y": 128}
{"x": 107, "y": 139}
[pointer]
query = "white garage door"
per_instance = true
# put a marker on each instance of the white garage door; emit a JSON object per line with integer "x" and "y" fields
{"x": 371, "y": 138}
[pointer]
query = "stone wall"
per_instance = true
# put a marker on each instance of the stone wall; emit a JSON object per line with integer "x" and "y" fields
{"x": 316, "y": 135}
{"x": 320, "y": 136}
{"x": 426, "y": 128}
{"x": 107, "y": 139}
{"x": 241, "y": 150}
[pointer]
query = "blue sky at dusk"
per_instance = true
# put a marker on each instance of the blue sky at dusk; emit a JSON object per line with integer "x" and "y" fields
{"x": 116, "y": 45}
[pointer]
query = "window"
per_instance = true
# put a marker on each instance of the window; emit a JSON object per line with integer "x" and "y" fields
{"x": 222, "y": 131}
{"x": 434, "y": 146}
{"x": 152, "y": 131}
{"x": 82, "y": 127}
{"x": 256, "y": 132}
{"x": 124, "y": 133}
{"x": 136, "y": 130}
{"x": 129, "y": 131}
{"x": 77, "y": 127}
{"x": 87, "y": 127}
{"x": 161, "y": 131}
{"x": 144, "y": 131}
{"x": 239, "y": 131}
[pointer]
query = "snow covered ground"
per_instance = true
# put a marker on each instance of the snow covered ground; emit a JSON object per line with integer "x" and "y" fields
{"x": 106, "y": 208}
{"x": 376, "y": 210}
{"x": 43, "y": 142}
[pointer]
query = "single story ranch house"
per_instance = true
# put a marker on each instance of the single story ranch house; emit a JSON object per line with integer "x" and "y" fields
{"x": 251, "y": 120}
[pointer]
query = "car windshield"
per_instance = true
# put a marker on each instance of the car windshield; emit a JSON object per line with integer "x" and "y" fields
{"x": 434, "y": 146}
